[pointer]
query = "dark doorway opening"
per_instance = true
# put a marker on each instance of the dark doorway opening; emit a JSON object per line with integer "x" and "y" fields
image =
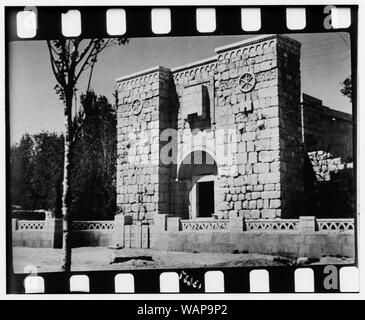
{"x": 206, "y": 198}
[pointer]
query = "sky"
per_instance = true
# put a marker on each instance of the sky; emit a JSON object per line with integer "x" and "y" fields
{"x": 35, "y": 107}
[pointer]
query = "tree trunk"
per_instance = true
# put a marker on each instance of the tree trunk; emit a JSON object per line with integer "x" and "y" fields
{"x": 67, "y": 221}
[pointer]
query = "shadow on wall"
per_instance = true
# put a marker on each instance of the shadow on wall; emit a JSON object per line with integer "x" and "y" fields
{"x": 329, "y": 187}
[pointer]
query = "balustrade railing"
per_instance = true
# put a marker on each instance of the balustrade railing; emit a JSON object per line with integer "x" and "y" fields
{"x": 328, "y": 225}
{"x": 92, "y": 225}
{"x": 335, "y": 224}
{"x": 30, "y": 225}
{"x": 204, "y": 225}
{"x": 268, "y": 225}
{"x": 272, "y": 224}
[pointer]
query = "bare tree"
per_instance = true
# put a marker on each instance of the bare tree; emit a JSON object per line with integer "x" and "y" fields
{"x": 70, "y": 58}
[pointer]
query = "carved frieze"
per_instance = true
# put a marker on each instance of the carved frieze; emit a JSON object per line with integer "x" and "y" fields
{"x": 259, "y": 77}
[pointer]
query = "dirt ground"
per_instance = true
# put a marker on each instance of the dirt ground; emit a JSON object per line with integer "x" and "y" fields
{"x": 101, "y": 258}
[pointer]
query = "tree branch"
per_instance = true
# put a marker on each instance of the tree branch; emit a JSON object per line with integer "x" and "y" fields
{"x": 86, "y": 62}
{"x": 54, "y": 65}
{"x": 82, "y": 55}
{"x": 93, "y": 53}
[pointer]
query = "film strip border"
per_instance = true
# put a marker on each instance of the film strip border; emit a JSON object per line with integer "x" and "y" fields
{"x": 287, "y": 279}
{"x": 38, "y": 23}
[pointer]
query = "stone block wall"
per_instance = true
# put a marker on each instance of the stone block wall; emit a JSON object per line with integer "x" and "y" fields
{"x": 142, "y": 181}
{"x": 327, "y": 130}
{"x": 325, "y": 166}
{"x": 253, "y": 190}
{"x": 291, "y": 147}
{"x": 269, "y": 157}
{"x": 328, "y": 138}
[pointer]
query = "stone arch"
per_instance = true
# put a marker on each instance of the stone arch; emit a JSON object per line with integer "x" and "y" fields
{"x": 196, "y": 178}
{"x": 197, "y": 162}
{"x": 191, "y": 150}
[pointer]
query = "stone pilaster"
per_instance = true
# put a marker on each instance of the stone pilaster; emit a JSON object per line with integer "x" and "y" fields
{"x": 118, "y": 231}
{"x": 307, "y": 224}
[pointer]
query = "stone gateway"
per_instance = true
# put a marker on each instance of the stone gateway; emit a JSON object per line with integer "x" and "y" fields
{"x": 220, "y": 142}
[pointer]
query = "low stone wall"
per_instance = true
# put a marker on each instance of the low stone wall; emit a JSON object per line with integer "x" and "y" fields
{"x": 48, "y": 233}
{"x": 34, "y": 240}
{"x": 92, "y": 238}
{"x": 290, "y": 243}
{"x": 37, "y": 233}
{"x": 92, "y": 233}
{"x": 306, "y": 236}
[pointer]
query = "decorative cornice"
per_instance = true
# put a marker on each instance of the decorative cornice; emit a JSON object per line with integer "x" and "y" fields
{"x": 194, "y": 64}
{"x": 254, "y": 40}
{"x": 205, "y": 63}
{"x": 142, "y": 73}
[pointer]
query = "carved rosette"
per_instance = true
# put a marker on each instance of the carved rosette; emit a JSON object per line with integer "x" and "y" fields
{"x": 247, "y": 82}
{"x": 137, "y": 106}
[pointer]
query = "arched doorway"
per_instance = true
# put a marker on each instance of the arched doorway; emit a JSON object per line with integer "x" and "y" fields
{"x": 198, "y": 175}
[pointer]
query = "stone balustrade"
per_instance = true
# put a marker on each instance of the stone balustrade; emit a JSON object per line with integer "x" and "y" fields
{"x": 93, "y": 225}
{"x": 123, "y": 232}
{"x": 272, "y": 224}
{"x": 204, "y": 225}
{"x": 303, "y": 224}
{"x": 335, "y": 224}
{"x": 31, "y": 225}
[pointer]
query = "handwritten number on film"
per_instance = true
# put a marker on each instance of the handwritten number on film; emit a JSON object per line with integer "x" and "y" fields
{"x": 189, "y": 280}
